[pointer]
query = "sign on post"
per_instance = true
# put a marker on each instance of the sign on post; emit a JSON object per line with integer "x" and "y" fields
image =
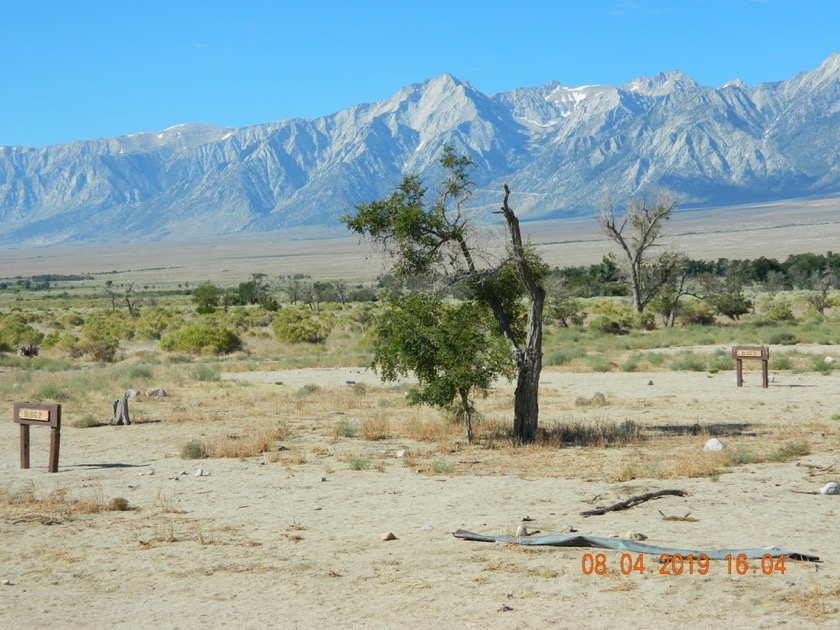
{"x": 29, "y": 414}
{"x": 751, "y": 353}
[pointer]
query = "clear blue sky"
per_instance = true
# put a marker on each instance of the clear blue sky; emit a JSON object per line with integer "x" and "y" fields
{"x": 84, "y": 69}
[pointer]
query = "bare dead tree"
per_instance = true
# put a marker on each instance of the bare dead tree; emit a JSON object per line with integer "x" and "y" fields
{"x": 636, "y": 231}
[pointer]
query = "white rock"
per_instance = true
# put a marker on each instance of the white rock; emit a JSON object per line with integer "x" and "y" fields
{"x": 771, "y": 379}
{"x": 388, "y": 536}
{"x": 521, "y": 530}
{"x": 830, "y": 488}
{"x": 634, "y": 536}
{"x": 714, "y": 445}
{"x": 132, "y": 393}
{"x": 199, "y": 472}
{"x": 402, "y": 453}
{"x": 830, "y": 359}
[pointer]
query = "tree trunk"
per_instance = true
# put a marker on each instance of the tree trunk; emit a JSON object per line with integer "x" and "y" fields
{"x": 526, "y": 407}
{"x": 120, "y": 412}
{"x": 467, "y": 409}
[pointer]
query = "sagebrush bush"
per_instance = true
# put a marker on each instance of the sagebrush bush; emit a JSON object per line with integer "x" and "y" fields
{"x": 202, "y": 339}
{"x": 300, "y": 325}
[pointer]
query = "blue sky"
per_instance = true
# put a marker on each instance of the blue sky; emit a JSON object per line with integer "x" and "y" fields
{"x": 84, "y": 69}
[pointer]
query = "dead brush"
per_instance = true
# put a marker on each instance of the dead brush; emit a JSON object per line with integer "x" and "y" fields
{"x": 257, "y": 440}
{"x": 56, "y": 505}
{"x": 375, "y": 427}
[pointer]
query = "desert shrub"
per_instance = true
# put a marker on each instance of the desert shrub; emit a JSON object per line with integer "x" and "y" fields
{"x": 779, "y": 311}
{"x": 206, "y": 373}
{"x": 154, "y": 322}
{"x": 612, "y": 318}
{"x": 597, "y": 400}
{"x": 783, "y": 338}
{"x": 194, "y": 449}
{"x": 564, "y": 355}
{"x": 788, "y": 451}
{"x": 688, "y": 362}
{"x": 300, "y": 325}
{"x": 72, "y": 319}
{"x": 202, "y": 339}
{"x": 344, "y": 428}
{"x": 697, "y": 312}
{"x": 306, "y": 390}
{"x": 782, "y": 363}
{"x": 15, "y": 332}
{"x": 53, "y": 392}
{"x": 819, "y": 364}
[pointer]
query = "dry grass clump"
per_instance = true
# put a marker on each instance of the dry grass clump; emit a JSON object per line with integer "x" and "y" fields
{"x": 375, "y": 427}
{"x": 260, "y": 439}
{"x": 597, "y": 400}
{"x": 815, "y": 603}
{"x": 54, "y": 506}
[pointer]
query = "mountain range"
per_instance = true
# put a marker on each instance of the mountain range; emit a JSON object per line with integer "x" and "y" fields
{"x": 561, "y": 149}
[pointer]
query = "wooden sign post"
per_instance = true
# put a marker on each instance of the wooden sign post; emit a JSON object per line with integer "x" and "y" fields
{"x": 29, "y": 414}
{"x": 751, "y": 353}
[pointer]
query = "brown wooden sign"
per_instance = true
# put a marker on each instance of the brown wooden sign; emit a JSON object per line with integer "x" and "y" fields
{"x": 751, "y": 353}
{"x": 29, "y": 414}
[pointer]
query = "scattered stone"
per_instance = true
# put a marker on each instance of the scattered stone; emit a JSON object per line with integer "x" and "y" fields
{"x": 634, "y": 536}
{"x": 648, "y": 382}
{"x": 388, "y": 536}
{"x": 8, "y": 583}
{"x": 402, "y": 453}
{"x": 349, "y": 383}
{"x": 830, "y": 359}
{"x": 199, "y": 472}
{"x": 714, "y": 445}
{"x": 830, "y": 488}
{"x": 505, "y": 608}
{"x": 521, "y": 530}
{"x": 771, "y": 379}
{"x": 155, "y": 392}
{"x": 132, "y": 393}
{"x": 323, "y": 479}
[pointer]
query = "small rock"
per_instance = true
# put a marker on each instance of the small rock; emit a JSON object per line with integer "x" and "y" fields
{"x": 8, "y": 583}
{"x": 402, "y": 453}
{"x": 521, "y": 530}
{"x": 634, "y": 536}
{"x": 323, "y": 479}
{"x": 388, "y": 536}
{"x": 771, "y": 379}
{"x": 349, "y": 383}
{"x": 830, "y": 359}
{"x": 830, "y": 488}
{"x": 155, "y": 392}
{"x": 714, "y": 445}
{"x": 132, "y": 393}
{"x": 199, "y": 472}
{"x": 648, "y": 382}
{"x": 505, "y": 608}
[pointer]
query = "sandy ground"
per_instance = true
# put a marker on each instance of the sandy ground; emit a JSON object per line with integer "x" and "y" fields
{"x": 258, "y": 544}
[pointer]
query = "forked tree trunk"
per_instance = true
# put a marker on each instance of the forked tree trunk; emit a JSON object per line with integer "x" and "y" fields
{"x": 121, "y": 412}
{"x": 526, "y": 405}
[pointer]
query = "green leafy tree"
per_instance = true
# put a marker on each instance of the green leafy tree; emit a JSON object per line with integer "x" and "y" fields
{"x": 430, "y": 240}
{"x": 454, "y": 351}
{"x": 207, "y": 296}
{"x": 726, "y": 295}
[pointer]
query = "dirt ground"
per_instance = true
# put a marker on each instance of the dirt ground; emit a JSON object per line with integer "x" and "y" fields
{"x": 273, "y": 542}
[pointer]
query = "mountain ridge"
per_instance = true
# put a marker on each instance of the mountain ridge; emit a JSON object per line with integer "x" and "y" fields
{"x": 561, "y": 149}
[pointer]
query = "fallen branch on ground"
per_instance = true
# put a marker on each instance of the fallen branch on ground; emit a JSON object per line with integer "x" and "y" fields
{"x": 634, "y": 501}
